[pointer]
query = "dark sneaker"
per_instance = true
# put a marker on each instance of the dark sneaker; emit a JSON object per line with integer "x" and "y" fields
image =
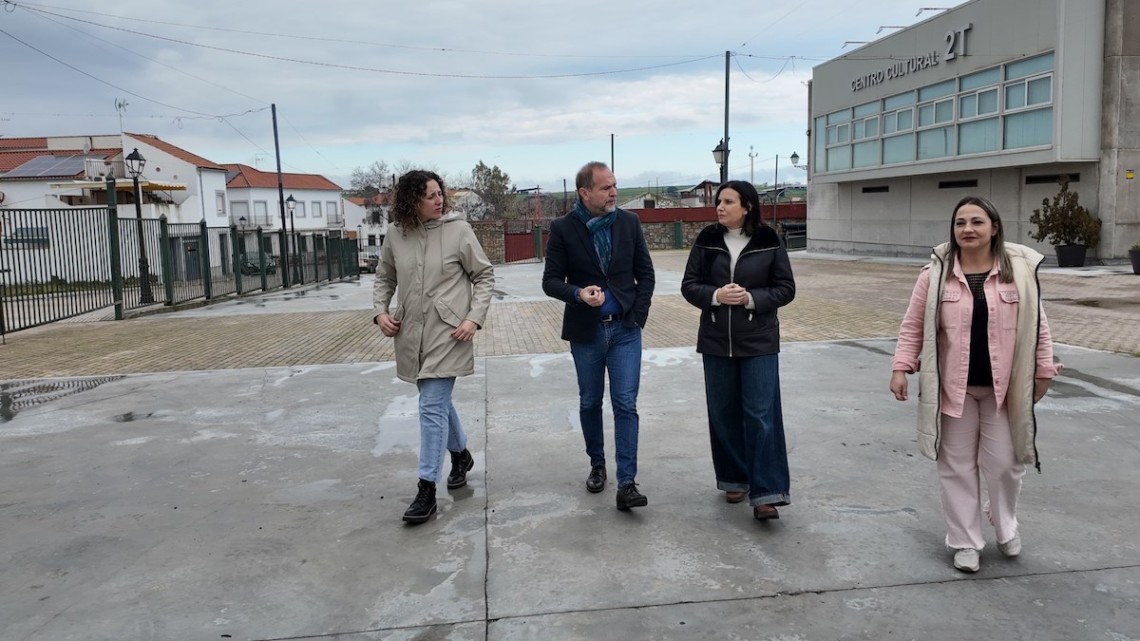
{"x": 596, "y": 482}
{"x": 628, "y": 497}
{"x": 461, "y": 464}
{"x": 423, "y": 506}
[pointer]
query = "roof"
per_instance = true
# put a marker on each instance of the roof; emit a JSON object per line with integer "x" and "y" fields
{"x": 239, "y": 176}
{"x": 177, "y": 152}
{"x": 23, "y": 143}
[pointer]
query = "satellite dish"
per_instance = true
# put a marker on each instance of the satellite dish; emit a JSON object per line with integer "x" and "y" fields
{"x": 1, "y": 197}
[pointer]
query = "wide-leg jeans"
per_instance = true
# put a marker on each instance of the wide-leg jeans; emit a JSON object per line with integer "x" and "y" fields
{"x": 615, "y": 349}
{"x": 978, "y": 440}
{"x": 439, "y": 426}
{"x": 746, "y": 427}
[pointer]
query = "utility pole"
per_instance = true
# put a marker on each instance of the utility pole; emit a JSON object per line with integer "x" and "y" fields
{"x": 280, "y": 202}
{"x": 724, "y": 167}
{"x": 752, "y": 165}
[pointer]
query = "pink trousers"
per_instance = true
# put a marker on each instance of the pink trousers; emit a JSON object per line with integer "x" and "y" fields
{"x": 978, "y": 441}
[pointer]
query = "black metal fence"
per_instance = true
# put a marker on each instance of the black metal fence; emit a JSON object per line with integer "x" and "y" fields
{"x": 60, "y": 263}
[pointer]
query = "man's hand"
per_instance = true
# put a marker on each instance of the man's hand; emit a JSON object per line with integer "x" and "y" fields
{"x": 1040, "y": 387}
{"x": 592, "y": 296}
{"x": 388, "y": 325}
{"x": 465, "y": 331}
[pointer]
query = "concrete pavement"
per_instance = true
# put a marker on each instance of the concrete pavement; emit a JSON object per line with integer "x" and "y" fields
{"x": 264, "y": 502}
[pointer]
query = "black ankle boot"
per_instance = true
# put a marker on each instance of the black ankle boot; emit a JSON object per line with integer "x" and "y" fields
{"x": 461, "y": 463}
{"x": 423, "y": 506}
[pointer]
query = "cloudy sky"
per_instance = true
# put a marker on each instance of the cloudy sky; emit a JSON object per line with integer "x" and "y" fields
{"x": 537, "y": 88}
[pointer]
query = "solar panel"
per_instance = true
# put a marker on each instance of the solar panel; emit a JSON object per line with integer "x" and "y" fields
{"x": 49, "y": 167}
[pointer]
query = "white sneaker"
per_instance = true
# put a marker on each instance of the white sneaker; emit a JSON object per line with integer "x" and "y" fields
{"x": 967, "y": 560}
{"x": 1011, "y": 547}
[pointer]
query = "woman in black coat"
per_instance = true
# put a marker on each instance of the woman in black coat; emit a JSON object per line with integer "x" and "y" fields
{"x": 739, "y": 274}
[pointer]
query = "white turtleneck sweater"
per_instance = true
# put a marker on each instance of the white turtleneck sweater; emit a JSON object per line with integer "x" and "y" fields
{"x": 736, "y": 241}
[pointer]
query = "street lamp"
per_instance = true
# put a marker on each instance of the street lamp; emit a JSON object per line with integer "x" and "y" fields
{"x": 291, "y": 204}
{"x": 135, "y": 163}
{"x": 752, "y": 166}
{"x": 795, "y": 159}
{"x": 720, "y": 156}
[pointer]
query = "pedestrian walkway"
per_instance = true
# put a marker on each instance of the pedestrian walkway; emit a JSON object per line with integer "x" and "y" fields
{"x": 835, "y": 300}
{"x": 263, "y": 502}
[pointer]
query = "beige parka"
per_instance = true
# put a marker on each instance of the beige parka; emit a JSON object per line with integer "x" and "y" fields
{"x": 442, "y": 277}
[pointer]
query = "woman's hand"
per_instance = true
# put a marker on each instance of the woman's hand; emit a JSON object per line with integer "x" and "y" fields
{"x": 1040, "y": 387}
{"x": 732, "y": 294}
{"x": 465, "y": 331}
{"x": 388, "y": 325}
{"x": 898, "y": 384}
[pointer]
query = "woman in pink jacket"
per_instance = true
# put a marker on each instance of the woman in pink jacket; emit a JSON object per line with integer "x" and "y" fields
{"x": 977, "y": 335}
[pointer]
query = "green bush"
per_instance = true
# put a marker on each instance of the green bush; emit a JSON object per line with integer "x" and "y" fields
{"x": 1065, "y": 221}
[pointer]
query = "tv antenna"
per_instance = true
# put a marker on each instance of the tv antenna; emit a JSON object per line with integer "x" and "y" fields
{"x": 121, "y": 106}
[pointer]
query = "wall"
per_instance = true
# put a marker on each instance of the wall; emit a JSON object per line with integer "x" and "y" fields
{"x": 491, "y": 235}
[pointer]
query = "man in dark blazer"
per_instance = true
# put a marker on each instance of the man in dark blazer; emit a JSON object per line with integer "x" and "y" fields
{"x": 597, "y": 262}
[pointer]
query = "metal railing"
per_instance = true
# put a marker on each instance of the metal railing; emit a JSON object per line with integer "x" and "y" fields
{"x": 60, "y": 263}
{"x": 54, "y": 264}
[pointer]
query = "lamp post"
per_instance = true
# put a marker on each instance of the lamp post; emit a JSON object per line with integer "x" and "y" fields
{"x": 135, "y": 164}
{"x": 291, "y": 204}
{"x": 720, "y": 156}
{"x": 752, "y": 165}
{"x": 241, "y": 226}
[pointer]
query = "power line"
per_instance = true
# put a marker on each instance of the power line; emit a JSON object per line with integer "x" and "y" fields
{"x": 331, "y": 65}
{"x": 100, "y": 80}
{"x": 147, "y": 58}
{"x": 33, "y": 7}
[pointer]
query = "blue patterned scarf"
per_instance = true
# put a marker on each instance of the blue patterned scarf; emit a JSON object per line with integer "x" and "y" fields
{"x": 599, "y": 227}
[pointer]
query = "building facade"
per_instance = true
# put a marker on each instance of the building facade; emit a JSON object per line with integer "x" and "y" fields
{"x": 997, "y": 98}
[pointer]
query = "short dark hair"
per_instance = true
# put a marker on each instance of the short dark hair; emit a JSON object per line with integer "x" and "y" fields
{"x": 751, "y": 201}
{"x": 997, "y": 241}
{"x": 585, "y": 177}
{"x": 411, "y": 187}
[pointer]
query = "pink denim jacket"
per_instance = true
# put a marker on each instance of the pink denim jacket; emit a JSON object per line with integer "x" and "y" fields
{"x": 956, "y": 310}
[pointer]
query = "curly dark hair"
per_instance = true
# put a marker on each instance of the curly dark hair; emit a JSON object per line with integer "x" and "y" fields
{"x": 411, "y": 187}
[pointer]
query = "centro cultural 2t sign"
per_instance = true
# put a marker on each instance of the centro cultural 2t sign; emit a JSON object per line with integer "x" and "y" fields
{"x": 955, "y": 46}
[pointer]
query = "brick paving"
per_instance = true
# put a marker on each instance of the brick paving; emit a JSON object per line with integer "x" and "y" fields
{"x": 836, "y": 300}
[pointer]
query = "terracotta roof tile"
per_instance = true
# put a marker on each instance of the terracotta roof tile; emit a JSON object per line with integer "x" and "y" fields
{"x": 23, "y": 143}
{"x": 245, "y": 177}
{"x": 177, "y": 152}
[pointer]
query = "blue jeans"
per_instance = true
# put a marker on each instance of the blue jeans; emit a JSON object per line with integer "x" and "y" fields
{"x": 439, "y": 424}
{"x": 617, "y": 349}
{"x": 746, "y": 427}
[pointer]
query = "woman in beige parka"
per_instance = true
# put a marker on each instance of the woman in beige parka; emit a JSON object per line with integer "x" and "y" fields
{"x": 435, "y": 263}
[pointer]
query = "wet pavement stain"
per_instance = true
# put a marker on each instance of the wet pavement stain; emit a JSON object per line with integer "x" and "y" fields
{"x": 16, "y": 396}
{"x": 128, "y": 417}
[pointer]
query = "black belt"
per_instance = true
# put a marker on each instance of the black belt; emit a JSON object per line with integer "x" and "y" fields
{"x": 609, "y": 318}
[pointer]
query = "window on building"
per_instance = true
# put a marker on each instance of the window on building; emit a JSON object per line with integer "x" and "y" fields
{"x": 1008, "y": 106}
{"x": 30, "y": 237}
{"x": 240, "y": 209}
{"x": 1029, "y": 129}
{"x": 978, "y": 136}
{"x": 317, "y": 210}
{"x": 261, "y": 213}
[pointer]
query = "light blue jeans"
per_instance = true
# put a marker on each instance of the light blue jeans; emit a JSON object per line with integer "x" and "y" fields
{"x": 615, "y": 349}
{"x": 439, "y": 425}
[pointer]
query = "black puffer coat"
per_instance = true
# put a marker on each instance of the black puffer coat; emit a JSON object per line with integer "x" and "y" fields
{"x": 763, "y": 269}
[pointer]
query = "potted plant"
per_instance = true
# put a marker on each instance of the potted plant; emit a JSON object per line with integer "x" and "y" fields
{"x": 1134, "y": 256}
{"x": 1067, "y": 225}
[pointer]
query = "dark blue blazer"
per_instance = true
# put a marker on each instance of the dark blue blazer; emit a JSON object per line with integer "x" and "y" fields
{"x": 572, "y": 263}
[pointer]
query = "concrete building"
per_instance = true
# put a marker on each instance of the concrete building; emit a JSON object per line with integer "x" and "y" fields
{"x": 993, "y": 97}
